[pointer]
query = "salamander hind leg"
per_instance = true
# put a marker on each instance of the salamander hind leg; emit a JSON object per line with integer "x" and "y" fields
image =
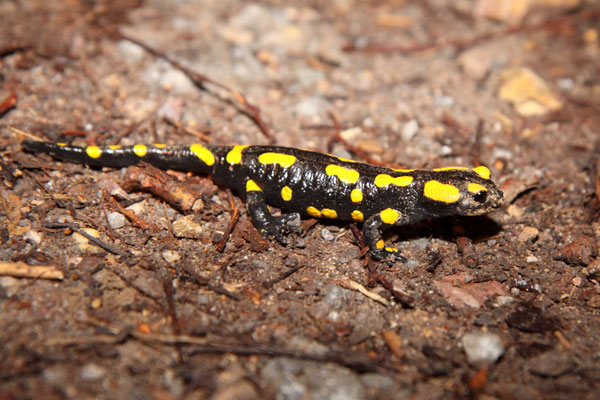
{"x": 372, "y": 235}
{"x": 267, "y": 224}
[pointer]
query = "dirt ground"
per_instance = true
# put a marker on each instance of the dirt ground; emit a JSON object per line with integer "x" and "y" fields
{"x": 132, "y": 298}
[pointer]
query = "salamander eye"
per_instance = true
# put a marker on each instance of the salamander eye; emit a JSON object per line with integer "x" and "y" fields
{"x": 480, "y": 197}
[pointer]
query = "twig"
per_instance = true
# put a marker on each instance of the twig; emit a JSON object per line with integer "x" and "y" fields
{"x": 204, "y": 282}
{"x": 350, "y": 284}
{"x": 96, "y": 241}
{"x": 232, "y": 222}
{"x": 463, "y": 44}
{"x": 201, "y": 80}
{"x": 285, "y": 275}
{"x": 24, "y": 270}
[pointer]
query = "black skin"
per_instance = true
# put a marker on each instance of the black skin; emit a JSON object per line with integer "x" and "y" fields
{"x": 311, "y": 186}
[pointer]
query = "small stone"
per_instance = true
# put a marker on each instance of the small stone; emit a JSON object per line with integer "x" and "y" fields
{"x": 504, "y": 300}
{"x": 515, "y": 291}
{"x": 409, "y": 130}
{"x": 531, "y": 259}
{"x": 515, "y": 211}
{"x": 130, "y": 51}
{"x": 312, "y": 107}
{"x": 592, "y": 271}
{"x": 476, "y": 62}
{"x": 83, "y": 242}
{"x": 528, "y": 93}
{"x": 92, "y": 372}
{"x": 170, "y": 256}
{"x": 482, "y": 348}
{"x": 171, "y": 109}
{"x": 528, "y": 234}
{"x": 581, "y": 251}
{"x": 327, "y": 235}
{"x": 334, "y": 296}
{"x": 116, "y": 220}
{"x": 594, "y": 301}
{"x": 33, "y": 237}
{"x": 187, "y": 227}
{"x": 96, "y": 303}
{"x": 551, "y": 363}
{"x": 443, "y": 101}
{"x": 176, "y": 81}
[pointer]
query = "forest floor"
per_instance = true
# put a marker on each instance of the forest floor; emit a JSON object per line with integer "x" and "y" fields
{"x": 109, "y": 291}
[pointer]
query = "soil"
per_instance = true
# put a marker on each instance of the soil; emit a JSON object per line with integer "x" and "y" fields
{"x": 501, "y": 306}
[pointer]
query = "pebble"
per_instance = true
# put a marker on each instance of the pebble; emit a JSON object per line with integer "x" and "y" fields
{"x": 581, "y": 251}
{"x": 130, "y": 51}
{"x": 33, "y": 237}
{"x": 187, "y": 227}
{"x": 528, "y": 234}
{"x": 92, "y": 372}
{"x": 476, "y": 62}
{"x": 327, "y": 235}
{"x": 482, "y": 348}
{"x": 551, "y": 363}
{"x": 171, "y": 256}
{"x": 10, "y": 285}
{"x": 409, "y": 130}
{"x": 116, "y": 220}
{"x": 528, "y": 93}
{"x": 298, "y": 379}
{"x": 443, "y": 101}
{"x": 83, "y": 243}
{"x": 504, "y": 300}
{"x": 531, "y": 259}
{"x": 334, "y": 296}
{"x": 312, "y": 107}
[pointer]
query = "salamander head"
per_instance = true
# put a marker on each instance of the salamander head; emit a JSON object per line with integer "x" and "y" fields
{"x": 461, "y": 191}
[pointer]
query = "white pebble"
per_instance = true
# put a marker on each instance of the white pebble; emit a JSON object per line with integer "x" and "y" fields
{"x": 33, "y": 237}
{"x": 409, "y": 130}
{"x": 482, "y": 348}
{"x": 116, "y": 220}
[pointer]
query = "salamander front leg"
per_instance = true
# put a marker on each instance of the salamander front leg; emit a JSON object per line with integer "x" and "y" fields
{"x": 267, "y": 224}
{"x": 372, "y": 235}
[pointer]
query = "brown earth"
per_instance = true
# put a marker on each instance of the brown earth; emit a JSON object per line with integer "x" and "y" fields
{"x": 502, "y": 306}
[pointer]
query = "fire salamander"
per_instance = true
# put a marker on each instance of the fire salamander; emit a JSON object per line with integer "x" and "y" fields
{"x": 310, "y": 183}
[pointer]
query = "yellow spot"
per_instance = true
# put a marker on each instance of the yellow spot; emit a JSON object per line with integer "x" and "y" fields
{"x": 313, "y": 212}
{"x": 384, "y": 180}
{"x": 114, "y": 147}
{"x": 356, "y": 195}
{"x": 93, "y": 151}
{"x": 380, "y": 245}
{"x": 357, "y": 216}
{"x": 140, "y": 150}
{"x": 203, "y": 153}
{"x": 159, "y": 145}
{"x": 476, "y": 188}
{"x": 346, "y": 159}
{"x": 61, "y": 144}
{"x": 251, "y": 186}
{"x": 345, "y": 175}
{"x": 285, "y": 160}
{"x": 389, "y": 216}
{"x": 329, "y": 213}
{"x": 235, "y": 155}
{"x": 286, "y": 193}
{"x": 441, "y": 192}
{"x": 450, "y": 169}
{"x": 402, "y": 170}
{"x": 482, "y": 171}
{"x": 391, "y": 249}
